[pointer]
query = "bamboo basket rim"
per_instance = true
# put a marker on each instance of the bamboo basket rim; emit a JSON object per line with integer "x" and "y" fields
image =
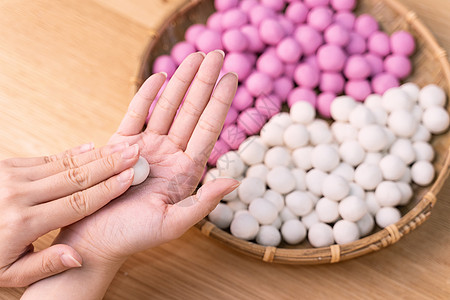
{"x": 334, "y": 253}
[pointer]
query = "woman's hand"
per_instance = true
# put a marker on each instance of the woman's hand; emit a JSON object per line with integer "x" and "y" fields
{"x": 41, "y": 194}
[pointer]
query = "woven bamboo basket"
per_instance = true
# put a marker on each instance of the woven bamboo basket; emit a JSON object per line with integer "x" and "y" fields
{"x": 430, "y": 65}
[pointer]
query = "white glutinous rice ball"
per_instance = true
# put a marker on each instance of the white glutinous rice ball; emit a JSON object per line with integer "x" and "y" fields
{"x": 403, "y": 148}
{"x": 230, "y": 164}
{"x": 395, "y": 99}
{"x": 366, "y": 224}
{"x": 417, "y": 112}
{"x": 435, "y": 119}
{"x": 402, "y": 123}
{"x": 252, "y": 150}
{"x": 391, "y": 137}
{"x": 361, "y": 116}
{"x": 277, "y": 223}
{"x": 345, "y": 171}
{"x": 422, "y": 134}
{"x": 373, "y": 138}
{"x": 275, "y": 198}
{"x": 372, "y": 204}
{"x": 373, "y": 101}
{"x": 319, "y": 132}
{"x": 296, "y": 136}
{"x": 302, "y": 112}
{"x": 406, "y": 192}
{"x": 302, "y": 157}
{"x": 277, "y": 156}
{"x": 387, "y": 216}
{"x": 314, "y": 180}
{"x": 341, "y": 108}
{"x": 281, "y": 180}
{"x": 380, "y": 115}
{"x": 327, "y": 210}
{"x": 373, "y": 158}
{"x": 313, "y": 197}
{"x": 141, "y": 171}
{"x": 293, "y": 231}
{"x": 392, "y": 167}
{"x": 343, "y": 132}
{"x": 259, "y": 171}
{"x": 300, "y": 179}
{"x": 345, "y": 232}
{"x": 335, "y": 187}
{"x": 237, "y": 205}
{"x": 287, "y": 214}
{"x": 324, "y": 157}
{"x": 407, "y": 176}
{"x": 244, "y": 226}
{"x": 268, "y": 236}
{"x": 412, "y": 90}
{"x": 299, "y": 203}
{"x": 272, "y": 134}
{"x": 356, "y": 190}
{"x": 320, "y": 235}
{"x": 432, "y": 95}
{"x": 263, "y": 210}
{"x": 211, "y": 175}
{"x": 352, "y": 152}
{"x": 310, "y": 219}
{"x": 251, "y": 188}
{"x": 221, "y": 216}
{"x": 282, "y": 119}
{"x": 423, "y": 151}
{"x": 368, "y": 176}
{"x": 231, "y": 196}
{"x": 388, "y": 194}
{"x": 422, "y": 172}
{"x": 352, "y": 208}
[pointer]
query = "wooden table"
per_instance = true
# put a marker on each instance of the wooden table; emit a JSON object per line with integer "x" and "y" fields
{"x": 65, "y": 68}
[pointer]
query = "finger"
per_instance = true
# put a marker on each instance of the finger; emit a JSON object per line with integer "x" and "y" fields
{"x": 197, "y": 98}
{"x": 68, "y": 162}
{"x": 36, "y": 161}
{"x": 35, "y": 266}
{"x": 186, "y": 213}
{"x": 78, "y": 179}
{"x": 211, "y": 121}
{"x": 169, "y": 101}
{"x": 134, "y": 119}
{"x": 69, "y": 209}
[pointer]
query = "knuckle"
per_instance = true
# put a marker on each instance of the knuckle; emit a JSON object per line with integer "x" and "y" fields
{"x": 220, "y": 100}
{"x": 68, "y": 162}
{"x": 106, "y": 187}
{"x": 135, "y": 115}
{"x": 206, "y": 80}
{"x": 9, "y": 192}
{"x": 191, "y": 109}
{"x": 48, "y": 266}
{"x": 78, "y": 176}
{"x": 78, "y": 203}
{"x": 50, "y": 158}
{"x": 109, "y": 162}
{"x": 207, "y": 126}
{"x": 165, "y": 103}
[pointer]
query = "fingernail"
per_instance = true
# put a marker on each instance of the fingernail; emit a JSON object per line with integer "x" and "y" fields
{"x": 86, "y": 147}
{"x": 201, "y": 53}
{"x": 235, "y": 74}
{"x": 163, "y": 74}
{"x": 221, "y": 52}
{"x": 130, "y": 152}
{"x": 116, "y": 148}
{"x": 69, "y": 261}
{"x": 232, "y": 188}
{"x": 126, "y": 175}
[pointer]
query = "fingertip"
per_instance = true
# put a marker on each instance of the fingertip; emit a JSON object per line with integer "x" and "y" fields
{"x": 220, "y": 52}
{"x": 69, "y": 261}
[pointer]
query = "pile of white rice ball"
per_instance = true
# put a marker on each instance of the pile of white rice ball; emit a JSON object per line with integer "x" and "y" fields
{"x": 303, "y": 178}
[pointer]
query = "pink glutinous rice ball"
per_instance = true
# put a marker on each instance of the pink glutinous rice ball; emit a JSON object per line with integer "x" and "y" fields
{"x": 234, "y": 18}
{"x": 307, "y": 75}
{"x": 287, "y": 24}
{"x": 316, "y": 3}
{"x": 276, "y": 5}
{"x": 302, "y": 94}
{"x": 268, "y": 105}
{"x": 231, "y": 118}
{"x": 345, "y": 18}
{"x": 337, "y": 34}
{"x": 165, "y": 63}
{"x": 282, "y": 87}
{"x": 220, "y": 148}
{"x": 214, "y": 21}
{"x": 320, "y": 17}
{"x": 359, "y": 89}
{"x": 250, "y": 121}
{"x": 242, "y": 99}
{"x": 402, "y": 43}
{"x": 181, "y": 50}
{"x": 398, "y": 65}
{"x": 375, "y": 62}
{"x": 247, "y": 5}
{"x": 193, "y": 32}
{"x": 365, "y": 25}
{"x": 297, "y": 12}
{"x": 271, "y": 32}
{"x": 357, "y": 67}
{"x": 308, "y": 38}
{"x": 234, "y": 40}
{"x": 260, "y": 13}
{"x": 312, "y": 60}
{"x": 238, "y": 63}
{"x": 332, "y": 82}
{"x": 384, "y": 81}
{"x": 209, "y": 40}
{"x": 289, "y": 70}
{"x": 324, "y": 101}
{"x": 289, "y": 50}
{"x": 255, "y": 44}
{"x": 222, "y": 5}
{"x": 331, "y": 58}
{"x": 251, "y": 58}
{"x": 233, "y": 136}
{"x": 344, "y": 5}
{"x": 259, "y": 83}
{"x": 270, "y": 64}
{"x": 378, "y": 43}
{"x": 356, "y": 45}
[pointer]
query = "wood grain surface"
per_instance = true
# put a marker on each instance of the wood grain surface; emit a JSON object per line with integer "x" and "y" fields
{"x": 65, "y": 70}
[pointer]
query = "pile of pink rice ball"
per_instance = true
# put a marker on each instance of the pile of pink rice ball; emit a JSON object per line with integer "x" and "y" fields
{"x": 285, "y": 51}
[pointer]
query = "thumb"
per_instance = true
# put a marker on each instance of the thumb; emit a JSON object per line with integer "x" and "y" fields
{"x": 186, "y": 213}
{"x": 35, "y": 266}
